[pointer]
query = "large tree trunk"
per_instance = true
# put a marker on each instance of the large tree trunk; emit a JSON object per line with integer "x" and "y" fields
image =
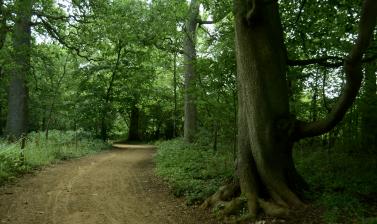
{"x": 18, "y": 93}
{"x": 267, "y": 131}
{"x": 266, "y": 168}
{"x": 190, "y": 72}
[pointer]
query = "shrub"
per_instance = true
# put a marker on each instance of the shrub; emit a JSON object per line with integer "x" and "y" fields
{"x": 39, "y": 151}
{"x": 193, "y": 171}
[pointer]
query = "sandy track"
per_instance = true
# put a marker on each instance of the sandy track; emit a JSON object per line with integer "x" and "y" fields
{"x": 113, "y": 187}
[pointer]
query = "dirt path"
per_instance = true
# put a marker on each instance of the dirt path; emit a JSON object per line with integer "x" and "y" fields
{"x": 113, "y": 187}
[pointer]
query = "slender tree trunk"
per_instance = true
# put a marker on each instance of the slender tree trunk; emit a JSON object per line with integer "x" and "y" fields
{"x": 108, "y": 96}
{"x": 175, "y": 96}
{"x": 18, "y": 93}
{"x": 53, "y": 100}
{"x": 215, "y": 135}
{"x": 133, "y": 133}
{"x": 313, "y": 106}
{"x": 190, "y": 124}
{"x": 3, "y": 25}
{"x": 368, "y": 109}
{"x": 235, "y": 131}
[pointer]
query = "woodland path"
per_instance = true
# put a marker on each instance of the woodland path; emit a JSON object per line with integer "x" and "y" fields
{"x": 112, "y": 187}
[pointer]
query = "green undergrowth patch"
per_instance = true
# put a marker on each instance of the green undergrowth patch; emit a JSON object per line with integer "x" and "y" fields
{"x": 343, "y": 183}
{"x": 39, "y": 151}
{"x": 193, "y": 170}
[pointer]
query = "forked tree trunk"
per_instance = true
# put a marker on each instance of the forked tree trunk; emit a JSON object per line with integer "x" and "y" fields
{"x": 18, "y": 93}
{"x": 190, "y": 72}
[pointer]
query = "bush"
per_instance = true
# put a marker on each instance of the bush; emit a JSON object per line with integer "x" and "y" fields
{"x": 39, "y": 151}
{"x": 193, "y": 171}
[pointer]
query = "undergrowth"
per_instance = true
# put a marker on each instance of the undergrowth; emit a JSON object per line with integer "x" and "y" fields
{"x": 38, "y": 151}
{"x": 343, "y": 184}
{"x": 193, "y": 171}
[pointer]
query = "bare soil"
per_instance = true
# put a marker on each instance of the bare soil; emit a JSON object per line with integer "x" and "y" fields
{"x": 113, "y": 187}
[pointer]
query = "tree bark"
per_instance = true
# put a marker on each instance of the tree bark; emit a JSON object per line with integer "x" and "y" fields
{"x": 18, "y": 92}
{"x": 266, "y": 169}
{"x": 190, "y": 124}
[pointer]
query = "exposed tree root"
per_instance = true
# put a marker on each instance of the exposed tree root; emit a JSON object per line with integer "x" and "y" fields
{"x": 233, "y": 207}
{"x": 273, "y": 209}
{"x": 228, "y": 202}
{"x": 224, "y": 194}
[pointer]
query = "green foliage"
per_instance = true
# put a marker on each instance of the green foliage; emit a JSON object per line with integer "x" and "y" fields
{"x": 39, "y": 151}
{"x": 345, "y": 184}
{"x": 77, "y": 83}
{"x": 193, "y": 171}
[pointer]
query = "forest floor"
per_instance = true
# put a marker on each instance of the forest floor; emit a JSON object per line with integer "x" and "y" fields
{"x": 116, "y": 186}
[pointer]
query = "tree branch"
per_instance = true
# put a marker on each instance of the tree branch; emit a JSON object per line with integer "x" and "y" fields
{"x": 202, "y": 22}
{"x": 354, "y": 76}
{"x": 57, "y": 36}
{"x": 327, "y": 61}
{"x": 303, "y": 3}
{"x": 61, "y": 17}
{"x": 209, "y": 33}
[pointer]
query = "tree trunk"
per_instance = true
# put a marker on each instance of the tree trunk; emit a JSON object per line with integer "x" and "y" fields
{"x": 175, "y": 96}
{"x": 313, "y": 104}
{"x": 190, "y": 72}
{"x": 54, "y": 96}
{"x": 368, "y": 109}
{"x": 265, "y": 164}
{"x": 133, "y": 133}
{"x": 3, "y": 26}
{"x": 108, "y": 96}
{"x": 18, "y": 93}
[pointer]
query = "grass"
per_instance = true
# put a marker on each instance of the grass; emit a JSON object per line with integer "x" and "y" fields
{"x": 343, "y": 183}
{"x": 39, "y": 151}
{"x": 193, "y": 171}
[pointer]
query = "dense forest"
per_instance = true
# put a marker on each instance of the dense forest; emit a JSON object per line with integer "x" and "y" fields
{"x": 259, "y": 108}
